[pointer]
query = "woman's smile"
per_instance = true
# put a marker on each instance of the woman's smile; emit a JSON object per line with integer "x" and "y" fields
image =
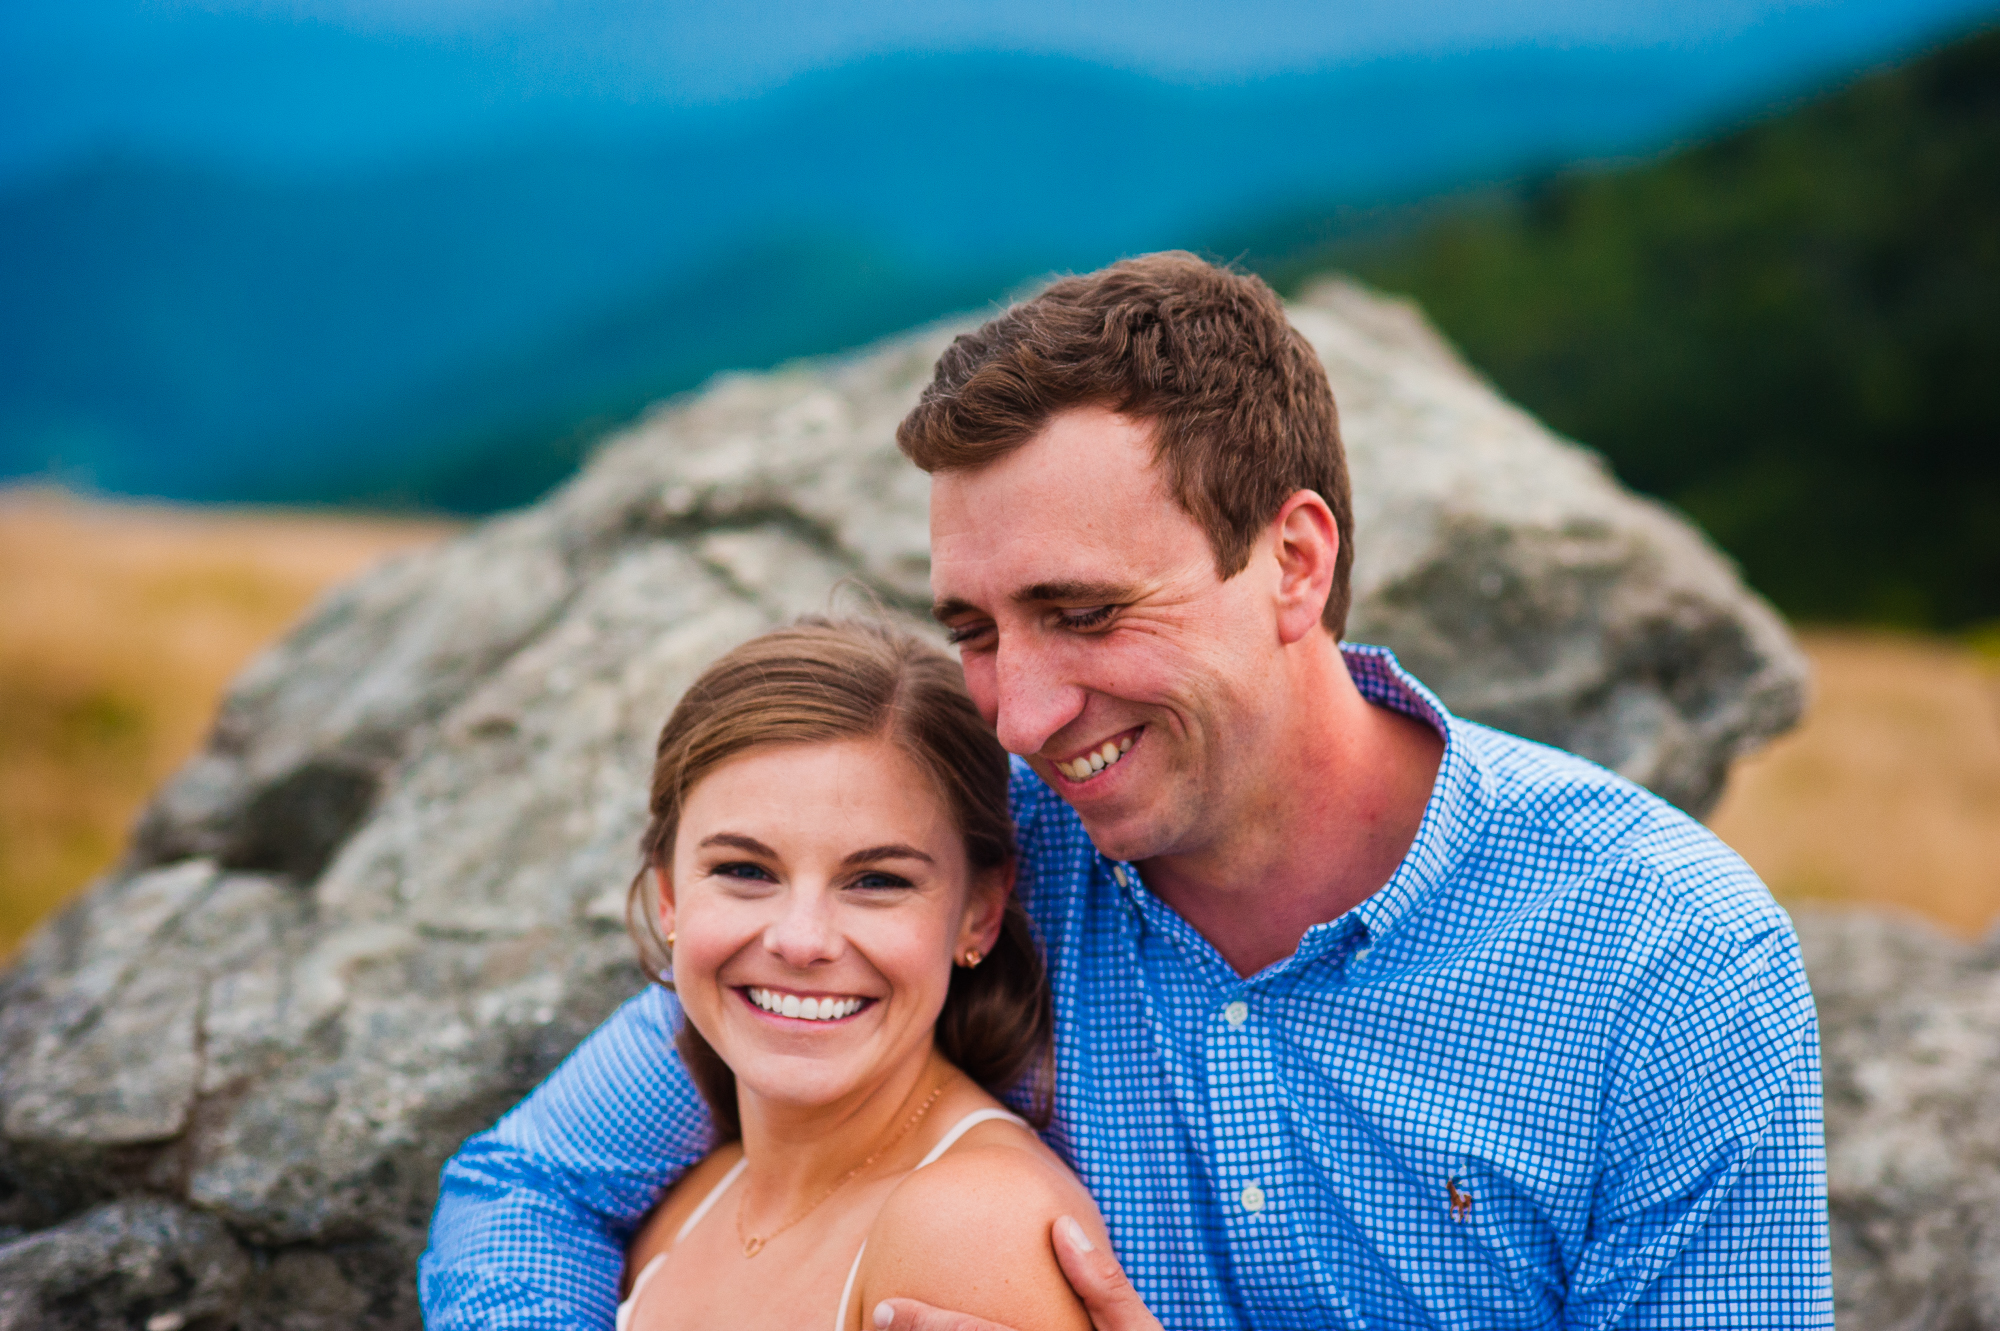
{"x": 790, "y": 1006}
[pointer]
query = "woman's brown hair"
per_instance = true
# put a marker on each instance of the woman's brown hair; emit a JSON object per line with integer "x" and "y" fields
{"x": 822, "y": 681}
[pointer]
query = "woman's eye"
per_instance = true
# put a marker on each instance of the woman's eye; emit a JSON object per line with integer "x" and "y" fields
{"x": 1089, "y": 618}
{"x": 743, "y": 869}
{"x": 881, "y": 881}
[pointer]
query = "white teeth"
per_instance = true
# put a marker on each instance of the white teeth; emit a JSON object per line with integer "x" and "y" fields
{"x": 1082, "y": 769}
{"x": 808, "y": 1009}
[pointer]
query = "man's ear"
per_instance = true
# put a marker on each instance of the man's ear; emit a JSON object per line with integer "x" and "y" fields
{"x": 1306, "y": 541}
{"x": 986, "y": 907}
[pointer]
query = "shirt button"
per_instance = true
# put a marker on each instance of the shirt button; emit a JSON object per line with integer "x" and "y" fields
{"x": 1118, "y": 872}
{"x": 1236, "y": 1014}
{"x": 1253, "y": 1198}
{"x": 1361, "y": 953}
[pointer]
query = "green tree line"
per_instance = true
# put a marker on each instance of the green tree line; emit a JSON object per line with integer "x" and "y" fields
{"x": 1791, "y": 331}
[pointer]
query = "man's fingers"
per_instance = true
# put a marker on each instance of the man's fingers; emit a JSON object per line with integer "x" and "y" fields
{"x": 909, "y": 1315}
{"x": 1099, "y": 1281}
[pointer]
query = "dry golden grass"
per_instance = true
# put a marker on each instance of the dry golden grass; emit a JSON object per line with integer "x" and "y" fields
{"x": 1889, "y": 793}
{"x": 120, "y": 626}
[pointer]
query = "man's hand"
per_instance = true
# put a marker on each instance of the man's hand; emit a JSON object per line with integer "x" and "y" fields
{"x": 1093, "y": 1273}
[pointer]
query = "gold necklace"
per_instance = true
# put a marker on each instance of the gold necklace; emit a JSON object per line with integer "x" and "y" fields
{"x": 754, "y": 1243}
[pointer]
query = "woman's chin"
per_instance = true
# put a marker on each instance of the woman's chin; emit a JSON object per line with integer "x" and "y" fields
{"x": 824, "y": 1072}
{"x": 792, "y": 1082}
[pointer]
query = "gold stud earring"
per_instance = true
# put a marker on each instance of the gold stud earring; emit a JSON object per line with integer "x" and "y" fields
{"x": 670, "y": 937}
{"x": 973, "y": 956}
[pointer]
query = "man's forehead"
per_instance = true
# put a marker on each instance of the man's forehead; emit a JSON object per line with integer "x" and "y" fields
{"x": 1112, "y": 450}
{"x": 1077, "y": 515}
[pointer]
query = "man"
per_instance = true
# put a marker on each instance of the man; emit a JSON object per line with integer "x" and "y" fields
{"x": 1367, "y": 1015}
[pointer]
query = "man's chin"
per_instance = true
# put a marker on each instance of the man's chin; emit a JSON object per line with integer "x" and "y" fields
{"x": 1131, "y": 828}
{"x": 1127, "y": 839}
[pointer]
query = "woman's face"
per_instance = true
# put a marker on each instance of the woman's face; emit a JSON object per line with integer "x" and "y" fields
{"x": 820, "y": 894}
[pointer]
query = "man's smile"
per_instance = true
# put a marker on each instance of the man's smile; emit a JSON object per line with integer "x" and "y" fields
{"x": 1082, "y": 766}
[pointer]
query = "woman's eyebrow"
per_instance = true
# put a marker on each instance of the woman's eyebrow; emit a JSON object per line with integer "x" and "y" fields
{"x": 896, "y": 851}
{"x": 738, "y": 841}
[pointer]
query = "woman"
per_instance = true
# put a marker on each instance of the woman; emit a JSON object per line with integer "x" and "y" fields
{"x": 829, "y": 874}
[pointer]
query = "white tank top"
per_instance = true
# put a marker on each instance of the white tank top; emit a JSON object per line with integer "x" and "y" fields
{"x": 945, "y": 1143}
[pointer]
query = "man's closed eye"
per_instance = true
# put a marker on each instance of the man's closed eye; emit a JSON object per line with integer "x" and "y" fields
{"x": 1090, "y": 618}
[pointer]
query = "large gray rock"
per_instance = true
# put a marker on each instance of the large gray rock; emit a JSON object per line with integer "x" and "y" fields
{"x": 1510, "y": 573}
{"x": 387, "y": 897}
{"x": 147, "y": 1264}
{"x": 1910, "y": 1031}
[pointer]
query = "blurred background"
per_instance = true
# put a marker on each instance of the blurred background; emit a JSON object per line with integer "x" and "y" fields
{"x": 289, "y": 285}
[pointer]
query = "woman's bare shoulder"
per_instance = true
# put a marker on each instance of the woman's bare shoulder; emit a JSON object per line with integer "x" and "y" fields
{"x": 970, "y": 1233}
{"x": 656, "y": 1233}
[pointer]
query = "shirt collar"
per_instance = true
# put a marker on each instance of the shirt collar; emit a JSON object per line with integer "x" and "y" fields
{"x": 1459, "y": 804}
{"x": 1461, "y": 796}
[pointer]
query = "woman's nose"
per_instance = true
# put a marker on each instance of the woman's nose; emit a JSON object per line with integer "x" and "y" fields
{"x": 804, "y": 933}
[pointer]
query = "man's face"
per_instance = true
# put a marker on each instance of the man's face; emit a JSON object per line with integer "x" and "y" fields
{"x": 1091, "y": 621}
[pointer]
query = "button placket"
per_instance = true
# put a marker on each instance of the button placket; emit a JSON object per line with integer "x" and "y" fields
{"x": 1248, "y": 1131}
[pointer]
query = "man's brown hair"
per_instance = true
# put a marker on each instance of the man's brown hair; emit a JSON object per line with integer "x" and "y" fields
{"x": 1242, "y": 413}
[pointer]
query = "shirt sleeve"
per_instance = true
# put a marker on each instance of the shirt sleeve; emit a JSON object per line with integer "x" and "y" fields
{"x": 533, "y": 1214}
{"x": 1711, "y": 1210}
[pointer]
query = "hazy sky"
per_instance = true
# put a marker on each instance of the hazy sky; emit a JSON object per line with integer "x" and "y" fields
{"x": 357, "y": 79}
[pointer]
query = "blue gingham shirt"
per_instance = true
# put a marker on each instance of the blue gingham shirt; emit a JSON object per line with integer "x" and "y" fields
{"x": 1562, "y": 1070}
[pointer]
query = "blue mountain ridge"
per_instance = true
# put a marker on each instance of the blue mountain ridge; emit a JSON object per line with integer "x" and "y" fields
{"x": 451, "y": 333}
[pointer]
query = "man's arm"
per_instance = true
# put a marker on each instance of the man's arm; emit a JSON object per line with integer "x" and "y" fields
{"x": 1711, "y": 1208}
{"x": 533, "y": 1214}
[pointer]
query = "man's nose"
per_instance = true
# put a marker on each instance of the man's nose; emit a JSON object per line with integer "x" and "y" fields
{"x": 1032, "y": 696}
{"x": 804, "y": 933}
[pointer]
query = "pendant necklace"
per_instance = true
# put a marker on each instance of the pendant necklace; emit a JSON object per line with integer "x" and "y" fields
{"x": 754, "y": 1243}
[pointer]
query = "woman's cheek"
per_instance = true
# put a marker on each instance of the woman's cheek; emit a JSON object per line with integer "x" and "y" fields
{"x": 919, "y": 978}
{"x": 697, "y": 962}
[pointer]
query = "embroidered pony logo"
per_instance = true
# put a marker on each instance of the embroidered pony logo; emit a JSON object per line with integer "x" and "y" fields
{"x": 1461, "y": 1202}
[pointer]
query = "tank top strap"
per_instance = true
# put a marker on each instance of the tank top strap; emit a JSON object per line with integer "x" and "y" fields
{"x": 945, "y": 1143}
{"x": 965, "y": 1125}
{"x": 714, "y": 1195}
{"x": 647, "y": 1272}
{"x": 846, "y": 1291}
